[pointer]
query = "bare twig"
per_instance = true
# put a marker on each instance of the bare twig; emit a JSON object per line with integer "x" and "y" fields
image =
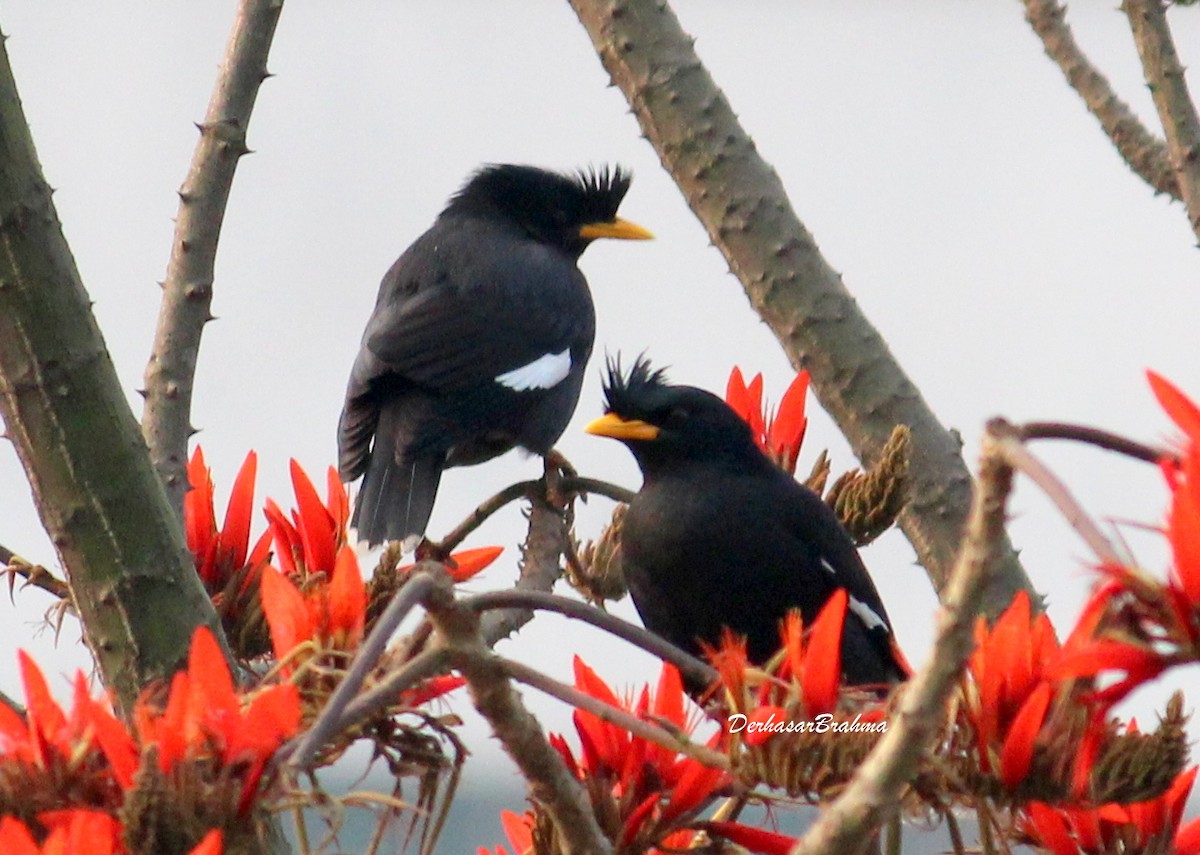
{"x": 541, "y": 552}
{"x": 1007, "y": 443}
{"x": 742, "y": 204}
{"x": 1142, "y": 151}
{"x": 689, "y": 666}
{"x": 187, "y": 289}
{"x": 1094, "y": 436}
{"x": 550, "y": 783}
{"x": 33, "y": 574}
{"x": 329, "y": 722}
{"x": 521, "y": 489}
{"x": 849, "y": 823}
{"x": 614, "y": 715}
{"x": 423, "y": 666}
{"x": 1164, "y": 74}
{"x": 579, "y": 484}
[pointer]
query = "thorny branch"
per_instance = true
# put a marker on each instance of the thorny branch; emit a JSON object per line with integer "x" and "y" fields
{"x": 33, "y": 574}
{"x": 742, "y": 204}
{"x": 1142, "y": 151}
{"x": 550, "y": 782}
{"x": 187, "y": 289}
{"x": 848, "y": 824}
{"x": 1164, "y": 74}
{"x": 689, "y": 666}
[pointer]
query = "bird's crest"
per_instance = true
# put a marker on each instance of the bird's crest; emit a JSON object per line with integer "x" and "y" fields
{"x": 602, "y": 189}
{"x": 590, "y": 195}
{"x": 627, "y": 393}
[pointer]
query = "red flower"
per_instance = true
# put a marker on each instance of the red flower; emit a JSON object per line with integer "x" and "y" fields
{"x": 780, "y": 434}
{"x": 1012, "y": 691}
{"x": 651, "y": 786}
{"x": 79, "y": 832}
{"x": 754, "y": 839}
{"x": 49, "y": 738}
{"x": 219, "y": 553}
{"x": 519, "y": 831}
{"x": 309, "y": 542}
{"x": 1151, "y": 826}
{"x": 329, "y": 613}
{"x": 205, "y": 717}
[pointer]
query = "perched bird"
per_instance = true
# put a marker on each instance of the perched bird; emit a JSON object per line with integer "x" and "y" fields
{"x": 720, "y": 536}
{"x": 478, "y": 340}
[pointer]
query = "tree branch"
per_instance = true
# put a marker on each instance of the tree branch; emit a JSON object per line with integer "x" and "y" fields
{"x": 544, "y": 546}
{"x": 99, "y": 499}
{"x": 689, "y": 666}
{"x": 187, "y": 289}
{"x": 741, "y": 202}
{"x": 1165, "y": 75}
{"x": 1094, "y": 436}
{"x": 33, "y": 574}
{"x": 550, "y": 783}
{"x": 849, "y": 823}
{"x": 1142, "y": 151}
{"x": 1007, "y": 443}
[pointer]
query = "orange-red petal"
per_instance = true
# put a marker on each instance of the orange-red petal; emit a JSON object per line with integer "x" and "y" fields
{"x": 755, "y": 839}
{"x": 823, "y": 658}
{"x": 468, "y": 562}
{"x": 1016, "y": 755}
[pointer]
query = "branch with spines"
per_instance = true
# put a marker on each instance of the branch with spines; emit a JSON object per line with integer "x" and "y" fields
{"x": 188, "y": 286}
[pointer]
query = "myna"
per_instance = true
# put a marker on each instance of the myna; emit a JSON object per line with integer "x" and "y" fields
{"x": 478, "y": 340}
{"x": 719, "y": 536}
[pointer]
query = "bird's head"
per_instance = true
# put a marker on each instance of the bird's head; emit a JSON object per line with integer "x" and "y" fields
{"x": 568, "y": 211}
{"x": 667, "y": 426}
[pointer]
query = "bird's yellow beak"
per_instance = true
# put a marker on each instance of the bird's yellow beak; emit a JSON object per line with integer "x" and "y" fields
{"x": 615, "y": 427}
{"x": 618, "y": 228}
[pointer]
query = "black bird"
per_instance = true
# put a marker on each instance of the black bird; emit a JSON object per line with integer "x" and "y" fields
{"x": 478, "y": 341}
{"x": 721, "y": 536}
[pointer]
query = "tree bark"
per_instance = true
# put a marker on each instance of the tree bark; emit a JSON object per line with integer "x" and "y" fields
{"x": 187, "y": 289}
{"x": 742, "y": 203}
{"x": 123, "y": 548}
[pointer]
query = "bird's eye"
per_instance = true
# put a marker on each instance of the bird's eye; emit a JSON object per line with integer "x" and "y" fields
{"x": 676, "y": 416}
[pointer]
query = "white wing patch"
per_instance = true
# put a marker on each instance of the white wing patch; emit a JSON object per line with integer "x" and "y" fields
{"x": 546, "y": 371}
{"x": 867, "y": 615}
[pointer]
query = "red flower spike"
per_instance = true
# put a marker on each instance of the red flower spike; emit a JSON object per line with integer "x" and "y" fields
{"x": 79, "y": 831}
{"x": 471, "y": 561}
{"x": 286, "y": 611}
{"x": 1017, "y": 754}
{"x": 15, "y": 838}
{"x": 754, "y": 839}
{"x": 45, "y": 720}
{"x": 347, "y": 601}
{"x": 519, "y": 831}
{"x": 200, "y": 521}
{"x": 785, "y": 432}
{"x": 758, "y": 718}
{"x": 336, "y": 500}
{"x": 235, "y": 534}
{"x": 1178, "y": 406}
{"x": 315, "y": 523}
{"x": 1187, "y": 841}
{"x": 1138, "y": 663}
{"x": 823, "y": 658}
{"x": 1183, "y": 527}
{"x": 695, "y": 785}
{"x": 288, "y": 543}
{"x": 1050, "y": 829}
{"x": 430, "y": 689}
{"x": 746, "y": 401}
{"x": 211, "y": 844}
{"x": 730, "y": 661}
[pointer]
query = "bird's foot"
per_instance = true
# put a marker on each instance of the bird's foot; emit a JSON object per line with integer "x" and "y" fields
{"x": 558, "y": 468}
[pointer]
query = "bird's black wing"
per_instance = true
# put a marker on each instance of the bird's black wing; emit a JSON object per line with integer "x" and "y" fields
{"x": 464, "y": 306}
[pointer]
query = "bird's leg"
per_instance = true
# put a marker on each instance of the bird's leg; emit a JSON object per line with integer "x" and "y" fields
{"x": 558, "y": 468}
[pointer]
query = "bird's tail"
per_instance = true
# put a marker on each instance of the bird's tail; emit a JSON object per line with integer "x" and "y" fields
{"x": 397, "y": 493}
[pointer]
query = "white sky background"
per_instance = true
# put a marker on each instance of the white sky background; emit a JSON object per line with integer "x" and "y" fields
{"x": 977, "y": 213}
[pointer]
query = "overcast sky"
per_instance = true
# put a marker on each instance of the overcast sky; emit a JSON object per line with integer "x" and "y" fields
{"x": 977, "y": 213}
